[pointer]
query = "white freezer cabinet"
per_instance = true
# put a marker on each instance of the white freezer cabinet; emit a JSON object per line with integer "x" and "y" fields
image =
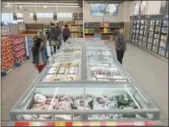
{"x": 88, "y": 102}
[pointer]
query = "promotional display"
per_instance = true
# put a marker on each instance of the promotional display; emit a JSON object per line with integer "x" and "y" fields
{"x": 83, "y": 84}
{"x": 18, "y": 48}
{"x": 7, "y": 54}
{"x": 151, "y": 33}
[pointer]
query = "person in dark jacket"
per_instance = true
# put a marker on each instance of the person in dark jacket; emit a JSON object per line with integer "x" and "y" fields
{"x": 39, "y": 53}
{"x": 120, "y": 45}
{"x": 54, "y": 36}
{"x": 66, "y": 33}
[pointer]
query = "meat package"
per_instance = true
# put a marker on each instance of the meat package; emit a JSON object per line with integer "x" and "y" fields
{"x": 80, "y": 102}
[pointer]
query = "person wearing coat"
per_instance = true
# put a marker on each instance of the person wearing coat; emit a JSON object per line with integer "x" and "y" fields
{"x": 54, "y": 36}
{"x": 39, "y": 54}
{"x": 120, "y": 45}
{"x": 66, "y": 33}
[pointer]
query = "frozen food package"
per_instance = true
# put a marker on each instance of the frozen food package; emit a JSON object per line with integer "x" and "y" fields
{"x": 72, "y": 70}
{"x": 39, "y": 98}
{"x": 53, "y": 70}
{"x": 61, "y": 70}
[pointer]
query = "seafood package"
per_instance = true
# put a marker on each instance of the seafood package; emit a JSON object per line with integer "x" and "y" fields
{"x": 105, "y": 73}
{"x": 79, "y": 102}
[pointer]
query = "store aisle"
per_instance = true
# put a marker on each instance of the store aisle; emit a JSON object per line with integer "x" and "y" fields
{"x": 150, "y": 72}
{"x": 14, "y": 85}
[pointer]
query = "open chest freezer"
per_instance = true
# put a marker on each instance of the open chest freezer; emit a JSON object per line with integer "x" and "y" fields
{"x": 85, "y": 102}
{"x": 61, "y": 69}
{"x": 106, "y": 69}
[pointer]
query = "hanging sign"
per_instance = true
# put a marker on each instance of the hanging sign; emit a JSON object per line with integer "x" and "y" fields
{"x": 34, "y": 16}
{"x": 54, "y": 16}
{"x": 14, "y": 16}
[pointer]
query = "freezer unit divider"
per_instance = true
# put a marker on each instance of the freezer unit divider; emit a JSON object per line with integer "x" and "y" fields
{"x": 132, "y": 96}
{"x": 86, "y": 112}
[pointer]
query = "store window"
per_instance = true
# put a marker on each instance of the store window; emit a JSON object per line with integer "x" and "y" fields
{"x": 64, "y": 15}
{"x": 42, "y": 15}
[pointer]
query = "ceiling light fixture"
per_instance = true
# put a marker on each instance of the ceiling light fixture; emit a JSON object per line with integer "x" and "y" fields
{"x": 20, "y": 6}
{"x": 24, "y": 3}
{"x": 45, "y": 7}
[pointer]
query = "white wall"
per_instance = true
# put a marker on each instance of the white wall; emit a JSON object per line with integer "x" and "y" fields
{"x": 28, "y": 19}
{"x": 153, "y": 7}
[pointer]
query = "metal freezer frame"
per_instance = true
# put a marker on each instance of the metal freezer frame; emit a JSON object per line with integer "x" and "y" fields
{"x": 25, "y": 99}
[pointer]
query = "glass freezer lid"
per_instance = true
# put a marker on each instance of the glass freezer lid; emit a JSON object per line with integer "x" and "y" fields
{"x": 99, "y": 60}
{"x": 65, "y": 71}
{"x": 117, "y": 101}
{"x": 99, "y": 53}
{"x": 92, "y": 47}
{"x": 107, "y": 73}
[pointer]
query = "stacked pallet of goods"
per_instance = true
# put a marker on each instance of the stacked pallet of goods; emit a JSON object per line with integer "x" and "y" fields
{"x": 7, "y": 56}
{"x": 18, "y": 48}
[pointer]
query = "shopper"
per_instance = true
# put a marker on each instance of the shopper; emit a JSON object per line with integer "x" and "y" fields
{"x": 66, "y": 33}
{"x": 54, "y": 36}
{"x": 39, "y": 54}
{"x": 120, "y": 45}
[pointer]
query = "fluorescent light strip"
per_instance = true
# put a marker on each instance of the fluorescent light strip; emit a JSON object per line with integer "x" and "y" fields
{"x": 41, "y": 6}
{"x": 24, "y": 3}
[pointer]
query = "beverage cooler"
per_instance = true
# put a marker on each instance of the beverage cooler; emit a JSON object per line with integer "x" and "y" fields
{"x": 150, "y": 32}
{"x": 88, "y": 89}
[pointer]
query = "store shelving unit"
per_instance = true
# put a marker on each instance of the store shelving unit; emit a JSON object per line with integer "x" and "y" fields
{"x": 63, "y": 100}
{"x": 151, "y": 33}
{"x": 104, "y": 29}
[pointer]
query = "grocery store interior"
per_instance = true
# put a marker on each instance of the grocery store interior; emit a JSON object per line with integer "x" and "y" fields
{"x": 83, "y": 83}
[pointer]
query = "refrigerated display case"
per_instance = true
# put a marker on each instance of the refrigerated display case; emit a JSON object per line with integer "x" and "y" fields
{"x": 68, "y": 69}
{"x": 119, "y": 102}
{"x": 150, "y": 32}
{"x": 103, "y": 91}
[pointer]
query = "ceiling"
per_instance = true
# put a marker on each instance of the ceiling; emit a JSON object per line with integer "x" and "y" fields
{"x": 80, "y": 2}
